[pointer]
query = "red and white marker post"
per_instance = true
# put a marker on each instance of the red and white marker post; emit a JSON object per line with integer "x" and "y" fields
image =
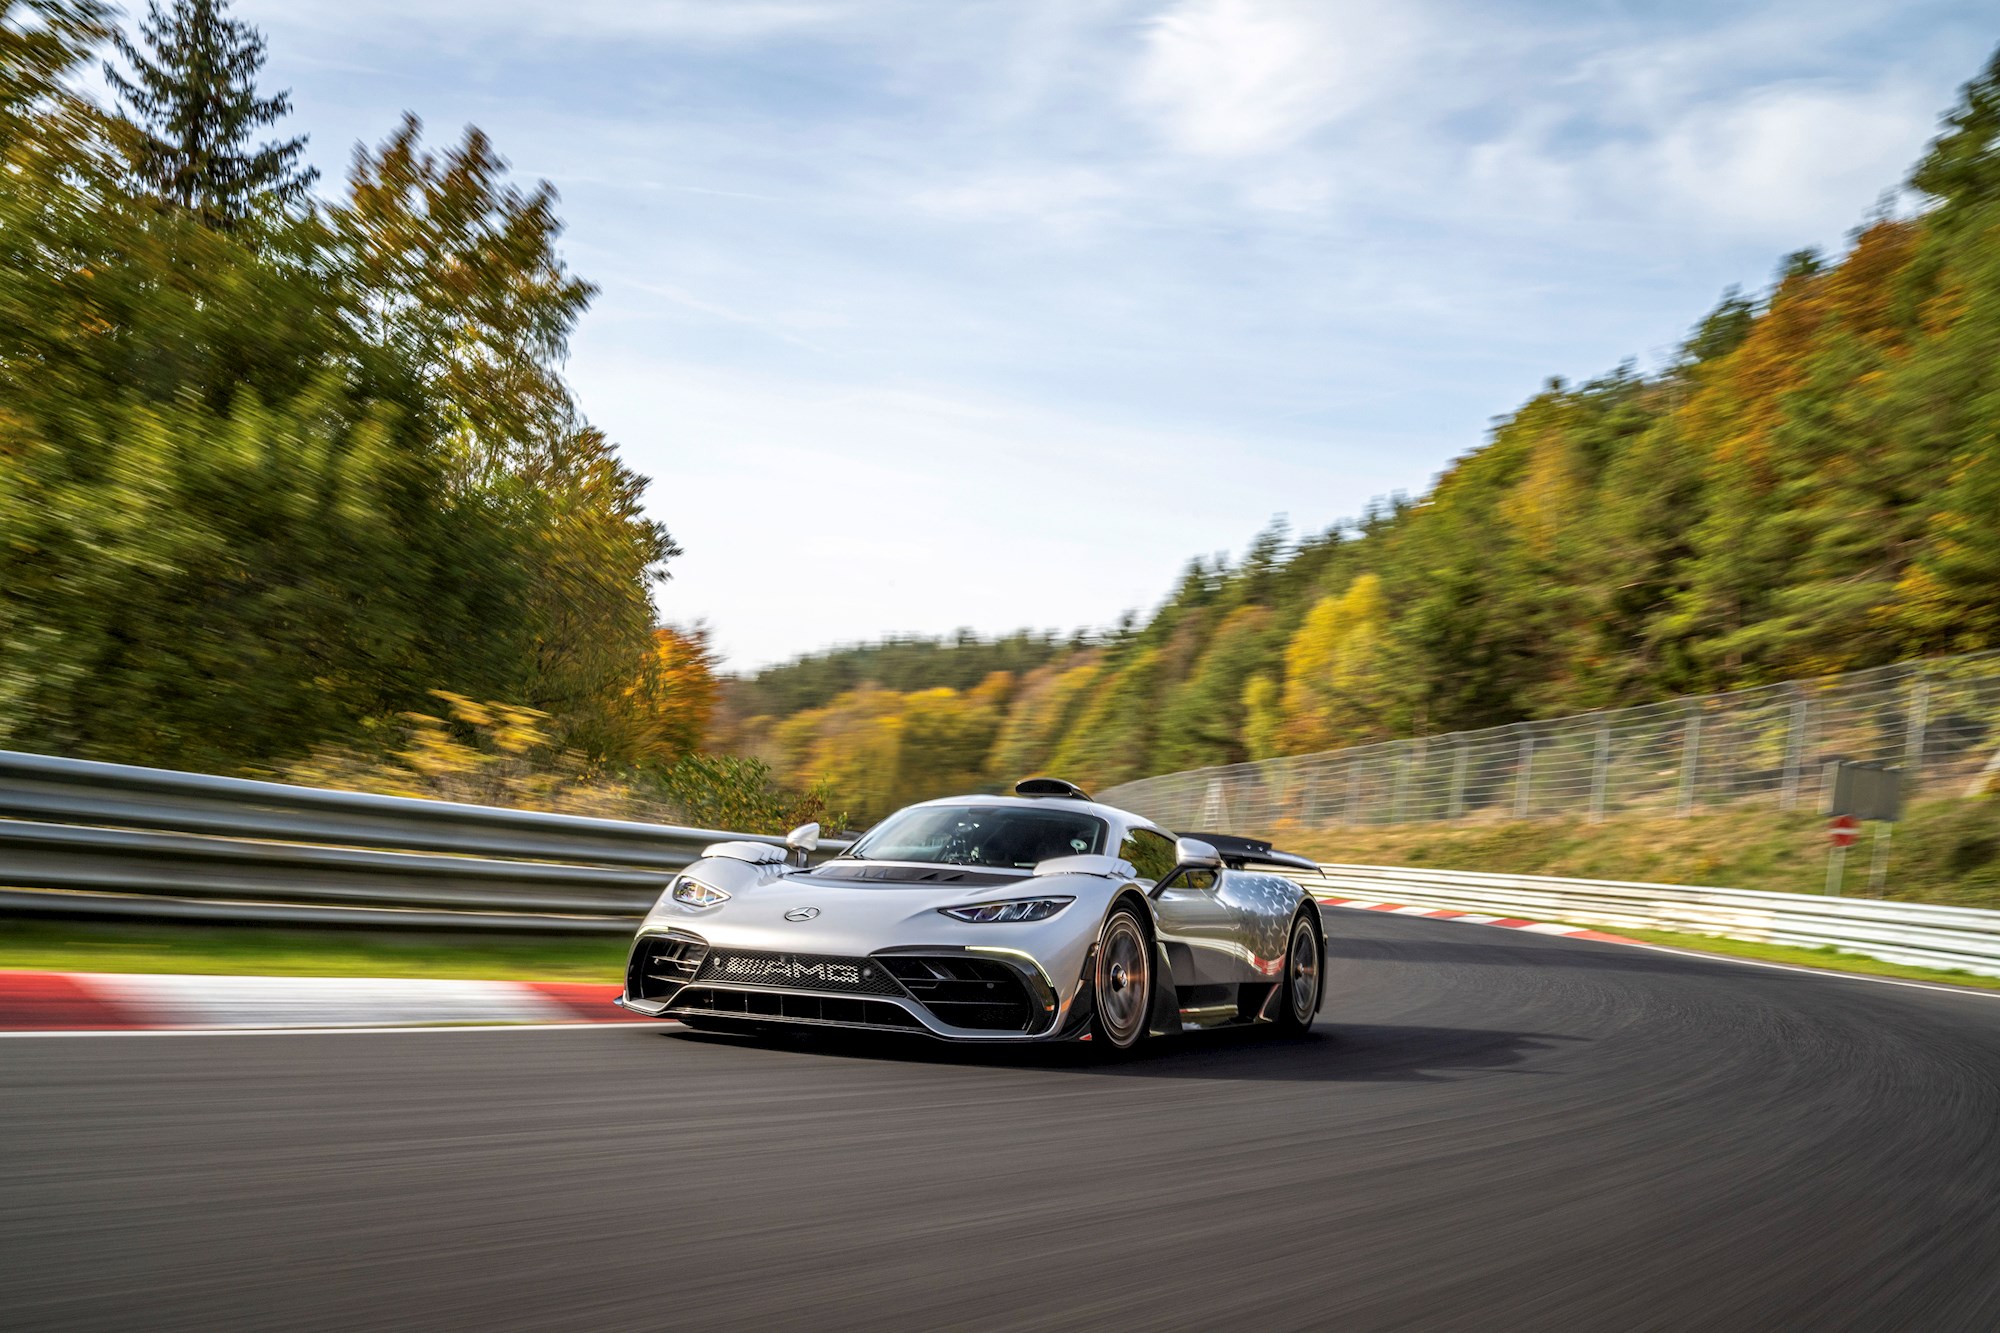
{"x": 1842, "y": 831}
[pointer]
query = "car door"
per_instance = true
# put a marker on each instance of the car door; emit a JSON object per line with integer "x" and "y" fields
{"x": 1200, "y": 931}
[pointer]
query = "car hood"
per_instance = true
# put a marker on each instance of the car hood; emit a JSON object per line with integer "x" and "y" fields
{"x": 906, "y": 874}
{"x": 859, "y": 907}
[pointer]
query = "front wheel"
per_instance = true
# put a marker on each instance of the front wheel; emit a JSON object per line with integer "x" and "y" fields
{"x": 1124, "y": 980}
{"x": 1303, "y": 957}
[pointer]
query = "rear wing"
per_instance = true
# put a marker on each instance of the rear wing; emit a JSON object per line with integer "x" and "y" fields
{"x": 1239, "y": 853}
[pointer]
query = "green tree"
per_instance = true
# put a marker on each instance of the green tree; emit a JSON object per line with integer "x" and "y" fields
{"x": 1115, "y": 727}
{"x": 242, "y": 516}
{"x": 458, "y": 271}
{"x": 1202, "y": 720}
{"x": 192, "y": 109}
{"x": 1962, "y": 168}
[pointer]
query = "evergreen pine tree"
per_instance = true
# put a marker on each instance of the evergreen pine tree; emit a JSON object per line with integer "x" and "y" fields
{"x": 191, "y": 107}
{"x": 1963, "y": 166}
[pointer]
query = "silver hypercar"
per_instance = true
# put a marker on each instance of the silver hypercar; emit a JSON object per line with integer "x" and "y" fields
{"x": 1041, "y": 916}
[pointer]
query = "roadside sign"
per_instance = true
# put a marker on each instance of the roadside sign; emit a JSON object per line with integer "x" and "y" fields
{"x": 1854, "y": 792}
{"x": 1864, "y": 791}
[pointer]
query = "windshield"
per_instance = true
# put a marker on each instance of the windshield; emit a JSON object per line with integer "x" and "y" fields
{"x": 1012, "y": 836}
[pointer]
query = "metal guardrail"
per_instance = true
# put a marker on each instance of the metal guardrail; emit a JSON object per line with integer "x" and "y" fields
{"x": 1964, "y": 939}
{"x": 79, "y": 838}
{"x": 83, "y": 839}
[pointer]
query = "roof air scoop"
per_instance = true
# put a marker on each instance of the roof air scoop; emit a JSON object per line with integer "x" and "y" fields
{"x": 1050, "y": 787}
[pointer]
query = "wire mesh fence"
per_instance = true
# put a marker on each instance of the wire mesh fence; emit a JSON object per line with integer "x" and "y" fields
{"x": 1938, "y": 720}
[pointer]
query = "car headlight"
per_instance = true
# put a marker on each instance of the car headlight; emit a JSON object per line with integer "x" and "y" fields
{"x": 1021, "y": 909}
{"x": 697, "y": 894}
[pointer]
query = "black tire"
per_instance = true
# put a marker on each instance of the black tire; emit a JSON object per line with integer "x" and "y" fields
{"x": 1124, "y": 985}
{"x": 1304, "y": 979}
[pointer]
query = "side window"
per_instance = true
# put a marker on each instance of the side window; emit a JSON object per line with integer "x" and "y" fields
{"x": 1150, "y": 854}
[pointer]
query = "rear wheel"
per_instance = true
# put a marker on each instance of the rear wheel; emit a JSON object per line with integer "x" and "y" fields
{"x": 1304, "y": 954}
{"x": 1124, "y": 980}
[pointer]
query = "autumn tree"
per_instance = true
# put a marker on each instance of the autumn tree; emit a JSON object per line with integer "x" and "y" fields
{"x": 1334, "y": 691}
{"x": 673, "y": 701}
{"x": 1042, "y": 712}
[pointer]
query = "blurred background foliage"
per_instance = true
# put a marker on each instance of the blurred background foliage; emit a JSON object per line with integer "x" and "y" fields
{"x": 1811, "y": 485}
{"x": 291, "y": 483}
{"x": 279, "y": 472}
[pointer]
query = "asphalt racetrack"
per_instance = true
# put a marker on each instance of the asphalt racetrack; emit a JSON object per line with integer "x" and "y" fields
{"x": 1490, "y": 1130}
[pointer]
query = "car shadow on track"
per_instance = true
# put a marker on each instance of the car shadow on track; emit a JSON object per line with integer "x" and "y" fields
{"x": 1331, "y": 1053}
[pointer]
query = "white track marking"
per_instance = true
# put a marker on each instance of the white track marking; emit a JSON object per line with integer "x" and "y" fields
{"x": 194, "y": 1001}
{"x": 1556, "y": 929}
{"x": 1832, "y": 973}
{"x": 583, "y": 1025}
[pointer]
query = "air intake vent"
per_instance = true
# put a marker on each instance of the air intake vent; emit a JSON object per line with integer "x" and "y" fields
{"x": 784, "y": 1007}
{"x": 965, "y": 992}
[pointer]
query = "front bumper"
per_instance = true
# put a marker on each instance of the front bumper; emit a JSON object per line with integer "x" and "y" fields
{"x": 952, "y": 992}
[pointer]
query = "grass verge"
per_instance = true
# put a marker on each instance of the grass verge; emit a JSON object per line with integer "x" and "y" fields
{"x": 1946, "y": 850}
{"x": 59, "y": 946}
{"x": 1827, "y": 959}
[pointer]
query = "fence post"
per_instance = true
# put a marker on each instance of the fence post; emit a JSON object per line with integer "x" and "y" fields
{"x": 1878, "y": 869}
{"x": 1795, "y": 749}
{"x": 1524, "y": 768}
{"x": 1403, "y": 749}
{"x": 1690, "y": 761}
{"x": 1215, "y": 806}
{"x": 1458, "y": 782}
{"x": 1600, "y": 770}
{"x": 1913, "y": 737}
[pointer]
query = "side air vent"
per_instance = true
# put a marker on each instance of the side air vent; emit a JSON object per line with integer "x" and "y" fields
{"x": 662, "y": 964}
{"x": 965, "y": 992}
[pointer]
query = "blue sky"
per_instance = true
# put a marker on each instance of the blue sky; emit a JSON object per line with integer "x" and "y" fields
{"x": 937, "y": 313}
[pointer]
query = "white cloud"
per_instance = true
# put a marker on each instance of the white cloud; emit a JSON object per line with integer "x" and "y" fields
{"x": 1781, "y": 164}
{"x": 1232, "y": 78}
{"x": 1781, "y": 160}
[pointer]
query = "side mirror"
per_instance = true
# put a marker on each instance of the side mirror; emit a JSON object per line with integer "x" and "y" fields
{"x": 1194, "y": 854}
{"x": 802, "y": 841}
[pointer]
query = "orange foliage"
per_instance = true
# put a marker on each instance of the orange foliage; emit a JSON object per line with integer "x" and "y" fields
{"x": 674, "y": 698}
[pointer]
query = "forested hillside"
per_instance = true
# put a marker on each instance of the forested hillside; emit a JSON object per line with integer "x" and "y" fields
{"x": 291, "y": 482}
{"x": 1812, "y": 485}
